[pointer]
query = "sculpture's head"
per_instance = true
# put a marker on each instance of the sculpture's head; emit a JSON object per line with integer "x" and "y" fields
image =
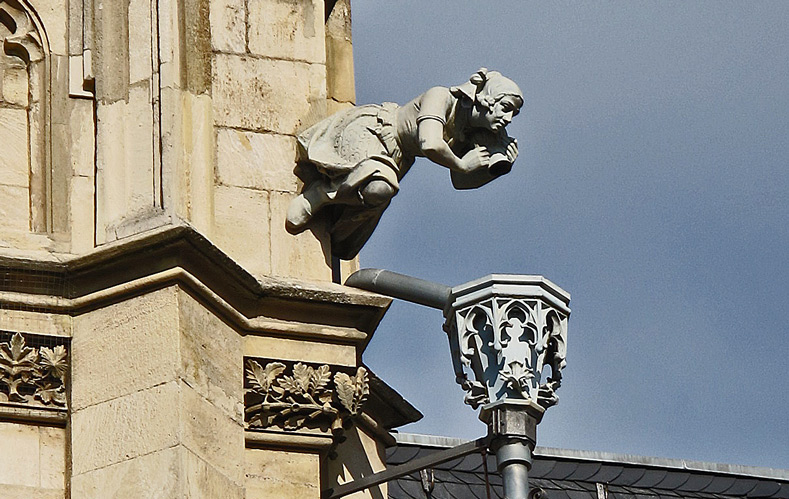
{"x": 494, "y": 99}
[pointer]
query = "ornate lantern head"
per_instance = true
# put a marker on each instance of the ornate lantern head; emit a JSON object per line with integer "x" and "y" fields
{"x": 504, "y": 331}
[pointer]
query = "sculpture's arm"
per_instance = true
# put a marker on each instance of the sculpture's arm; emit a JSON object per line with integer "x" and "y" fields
{"x": 435, "y": 106}
{"x": 481, "y": 176}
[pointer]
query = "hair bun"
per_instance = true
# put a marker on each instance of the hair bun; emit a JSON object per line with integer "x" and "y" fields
{"x": 480, "y": 77}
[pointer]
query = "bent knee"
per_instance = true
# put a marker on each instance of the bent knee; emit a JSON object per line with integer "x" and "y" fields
{"x": 376, "y": 193}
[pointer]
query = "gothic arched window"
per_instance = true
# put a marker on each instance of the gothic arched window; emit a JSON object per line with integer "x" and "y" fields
{"x": 23, "y": 124}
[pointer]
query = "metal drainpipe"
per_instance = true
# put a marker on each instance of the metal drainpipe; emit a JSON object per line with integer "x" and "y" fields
{"x": 385, "y": 282}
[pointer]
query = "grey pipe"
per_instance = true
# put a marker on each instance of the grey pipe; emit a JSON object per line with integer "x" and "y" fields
{"x": 385, "y": 282}
{"x": 513, "y": 458}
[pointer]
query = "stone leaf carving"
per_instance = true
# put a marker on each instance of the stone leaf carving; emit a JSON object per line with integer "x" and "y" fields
{"x": 32, "y": 375}
{"x": 506, "y": 343}
{"x": 302, "y": 396}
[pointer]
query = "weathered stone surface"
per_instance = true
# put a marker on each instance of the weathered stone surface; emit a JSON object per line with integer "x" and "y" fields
{"x": 140, "y": 53}
{"x": 126, "y": 427}
{"x": 201, "y": 480}
{"x": 54, "y": 15}
{"x": 111, "y": 51}
{"x": 295, "y": 256}
{"x": 297, "y": 350}
{"x": 212, "y": 435}
{"x": 339, "y": 53}
{"x": 197, "y": 46}
{"x": 52, "y": 458}
{"x": 281, "y": 474}
{"x": 42, "y": 323}
{"x": 124, "y": 348}
{"x": 14, "y": 210}
{"x": 267, "y": 95}
{"x": 243, "y": 211}
{"x": 290, "y": 29}
{"x": 210, "y": 356}
{"x": 14, "y": 166}
{"x": 22, "y": 492}
{"x": 32, "y": 460}
{"x": 81, "y": 213}
{"x": 228, "y": 26}
{"x": 82, "y": 144}
{"x": 154, "y": 476}
{"x": 110, "y": 162}
{"x": 256, "y": 160}
{"x": 15, "y": 86}
{"x": 139, "y": 139}
{"x": 19, "y": 454}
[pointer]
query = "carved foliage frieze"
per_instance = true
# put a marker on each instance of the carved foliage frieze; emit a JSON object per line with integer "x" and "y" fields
{"x": 296, "y": 396}
{"x": 33, "y": 376}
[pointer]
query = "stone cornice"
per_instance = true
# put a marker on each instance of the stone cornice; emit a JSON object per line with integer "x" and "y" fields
{"x": 179, "y": 254}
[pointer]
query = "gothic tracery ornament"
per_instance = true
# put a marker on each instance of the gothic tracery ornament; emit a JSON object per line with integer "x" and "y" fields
{"x": 503, "y": 343}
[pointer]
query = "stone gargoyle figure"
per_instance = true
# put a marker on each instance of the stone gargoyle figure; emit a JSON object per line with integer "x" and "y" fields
{"x": 352, "y": 161}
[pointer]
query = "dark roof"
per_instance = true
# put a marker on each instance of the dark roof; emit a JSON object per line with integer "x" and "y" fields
{"x": 564, "y": 474}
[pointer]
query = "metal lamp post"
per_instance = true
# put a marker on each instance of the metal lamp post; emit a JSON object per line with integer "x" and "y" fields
{"x": 505, "y": 333}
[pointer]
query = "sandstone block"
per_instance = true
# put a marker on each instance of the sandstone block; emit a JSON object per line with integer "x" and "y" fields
{"x": 203, "y": 480}
{"x": 140, "y": 55}
{"x": 15, "y": 86}
{"x": 281, "y": 474}
{"x": 81, "y": 213}
{"x": 298, "y": 350}
{"x": 14, "y": 210}
{"x": 212, "y": 435}
{"x": 14, "y": 160}
{"x": 81, "y": 129}
{"x": 124, "y": 348}
{"x": 152, "y": 476}
{"x": 41, "y": 323}
{"x": 52, "y": 458}
{"x": 19, "y": 454}
{"x": 243, "y": 211}
{"x": 126, "y": 427}
{"x": 211, "y": 357}
{"x": 300, "y": 256}
{"x": 22, "y": 492}
{"x": 290, "y": 29}
{"x": 267, "y": 95}
{"x": 256, "y": 160}
{"x": 54, "y": 15}
{"x": 140, "y": 136}
{"x": 228, "y": 26}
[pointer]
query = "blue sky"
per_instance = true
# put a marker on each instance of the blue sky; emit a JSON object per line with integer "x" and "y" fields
{"x": 653, "y": 185}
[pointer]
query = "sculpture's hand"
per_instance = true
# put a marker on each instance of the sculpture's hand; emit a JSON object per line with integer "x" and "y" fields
{"x": 512, "y": 151}
{"x": 477, "y": 158}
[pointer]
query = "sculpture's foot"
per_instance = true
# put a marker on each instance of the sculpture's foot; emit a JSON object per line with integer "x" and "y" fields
{"x": 299, "y": 215}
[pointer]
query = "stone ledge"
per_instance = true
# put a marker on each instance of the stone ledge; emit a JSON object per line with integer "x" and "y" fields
{"x": 178, "y": 253}
{"x": 40, "y": 415}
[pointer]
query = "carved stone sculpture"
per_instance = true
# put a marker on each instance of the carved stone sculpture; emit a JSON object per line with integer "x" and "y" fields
{"x": 352, "y": 162}
{"x": 32, "y": 376}
{"x": 302, "y": 395}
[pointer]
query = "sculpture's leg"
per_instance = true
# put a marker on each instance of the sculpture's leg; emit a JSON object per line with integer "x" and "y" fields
{"x": 303, "y": 206}
{"x": 376, "y": 193}
{"x": 372, "y": 183}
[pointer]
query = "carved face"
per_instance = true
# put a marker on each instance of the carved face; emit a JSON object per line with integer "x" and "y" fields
{"x": 498, "y": 115}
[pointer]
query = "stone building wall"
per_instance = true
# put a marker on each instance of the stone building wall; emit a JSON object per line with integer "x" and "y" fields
{"x": 148, "y": 154}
